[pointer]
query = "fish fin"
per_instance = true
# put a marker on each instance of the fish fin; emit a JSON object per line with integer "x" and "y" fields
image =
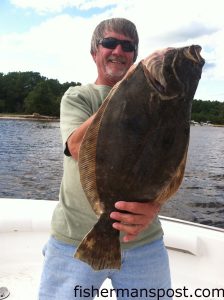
{"x": 100, "y": 248}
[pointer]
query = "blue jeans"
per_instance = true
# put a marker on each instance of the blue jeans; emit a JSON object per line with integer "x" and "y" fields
{"x": 144, "y": 274}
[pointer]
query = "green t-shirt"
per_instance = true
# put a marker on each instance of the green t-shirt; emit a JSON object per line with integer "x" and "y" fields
{"x": 73, "y": 216}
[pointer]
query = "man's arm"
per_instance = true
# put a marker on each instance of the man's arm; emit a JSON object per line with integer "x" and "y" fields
{"x": 75, "y": 139}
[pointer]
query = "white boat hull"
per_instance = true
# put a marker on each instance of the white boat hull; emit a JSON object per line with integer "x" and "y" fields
{"x": 195, "y": 252}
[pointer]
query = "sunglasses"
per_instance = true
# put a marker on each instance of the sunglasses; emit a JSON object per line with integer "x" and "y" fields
{"x": 111, "y": 43}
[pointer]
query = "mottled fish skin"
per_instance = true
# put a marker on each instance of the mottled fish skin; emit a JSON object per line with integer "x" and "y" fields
{"x": 136, "y": 147}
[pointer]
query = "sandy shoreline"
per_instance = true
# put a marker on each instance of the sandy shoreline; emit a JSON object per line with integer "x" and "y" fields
{"x": 38, "y": 117}
{"x": 33, "y": 117}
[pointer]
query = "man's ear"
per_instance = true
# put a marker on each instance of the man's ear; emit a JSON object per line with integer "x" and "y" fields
{"x": 94, "y": 56}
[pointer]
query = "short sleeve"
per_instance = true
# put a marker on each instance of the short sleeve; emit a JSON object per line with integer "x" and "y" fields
{"x": 75, "y": 109}
{"x": 77, "y": 105}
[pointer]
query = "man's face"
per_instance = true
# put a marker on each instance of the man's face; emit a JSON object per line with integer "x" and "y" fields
{"x": 112, "y": 64}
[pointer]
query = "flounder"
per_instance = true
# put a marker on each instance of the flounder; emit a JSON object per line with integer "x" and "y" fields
{"x": 136, "y": 147}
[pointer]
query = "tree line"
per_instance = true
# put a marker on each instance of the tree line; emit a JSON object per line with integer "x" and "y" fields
{"x": 208, "y": 111}
{"x": 29, "y": 92}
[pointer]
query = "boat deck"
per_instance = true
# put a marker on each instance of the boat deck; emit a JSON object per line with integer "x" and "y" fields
{"x": 195, "y": 251}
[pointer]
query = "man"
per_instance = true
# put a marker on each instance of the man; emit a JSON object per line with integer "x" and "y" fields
{"x": 114, "y": 48}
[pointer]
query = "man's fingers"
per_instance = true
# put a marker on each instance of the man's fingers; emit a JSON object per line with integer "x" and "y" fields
{"x": 129, "y": 229}
{"x": 127, "y": 218}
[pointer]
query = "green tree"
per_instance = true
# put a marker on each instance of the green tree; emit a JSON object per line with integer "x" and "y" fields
{"x": 2, "y": 96}
{"x": 212, "y": 111}
{"x": 27, "y": 92}
{"x": 42, "y": 100}
{"x": 16, "y": 86}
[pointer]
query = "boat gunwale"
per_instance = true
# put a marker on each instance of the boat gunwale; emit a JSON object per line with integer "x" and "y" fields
{"x": 185, "y": 222}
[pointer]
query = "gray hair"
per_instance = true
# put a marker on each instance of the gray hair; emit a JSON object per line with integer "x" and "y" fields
{"x": 118, "y": 25}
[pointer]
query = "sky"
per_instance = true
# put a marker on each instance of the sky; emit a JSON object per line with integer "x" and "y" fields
{"x": 52, "y": 37}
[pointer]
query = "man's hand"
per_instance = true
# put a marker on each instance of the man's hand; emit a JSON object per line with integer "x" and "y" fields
{"x": 140, "y": 217}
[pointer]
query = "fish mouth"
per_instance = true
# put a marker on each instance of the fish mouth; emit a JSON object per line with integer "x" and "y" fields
{"x": 156, "y": 84}
{"x": 164, "y": 69}
{"x": 152, "y": 67}
{"x": 193, "y": 54}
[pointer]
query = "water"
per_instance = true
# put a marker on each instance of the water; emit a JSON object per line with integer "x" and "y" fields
{"x": 201, "y": 195}
{"x": 31, "y": 167}
{"x": 30, "y": 159}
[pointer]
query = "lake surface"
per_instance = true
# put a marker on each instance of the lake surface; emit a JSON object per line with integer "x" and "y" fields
{"x": 31, "y": 166}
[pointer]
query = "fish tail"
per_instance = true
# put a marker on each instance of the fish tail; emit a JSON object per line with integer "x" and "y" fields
{"x": 100, "y": 248}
